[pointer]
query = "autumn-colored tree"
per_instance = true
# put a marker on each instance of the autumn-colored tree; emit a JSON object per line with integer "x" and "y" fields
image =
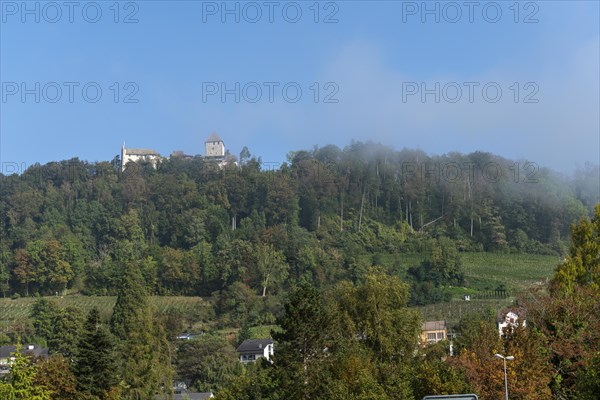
{"x": 529, "y": 374}
{"x": 23, "y": 268}
{"x": 569, "y": 317}
{"x": 570, "y": 323}
{"x": 531, "y": 371}
{"x": 475, "y": 358}
{"x": 55, "y": 375}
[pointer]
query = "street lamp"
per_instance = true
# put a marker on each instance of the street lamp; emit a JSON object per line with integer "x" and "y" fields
{"x": 505, "y": 381}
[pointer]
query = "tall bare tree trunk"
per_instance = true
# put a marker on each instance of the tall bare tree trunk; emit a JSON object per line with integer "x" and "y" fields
{"x": 342, "y": 213}
{"x": 362, "y": 203}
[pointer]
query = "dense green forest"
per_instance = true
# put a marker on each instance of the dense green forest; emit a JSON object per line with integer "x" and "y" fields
{"x": 319, "y": 253}
{"x": 351, "y": 340}
{"x": 198, "y": 229}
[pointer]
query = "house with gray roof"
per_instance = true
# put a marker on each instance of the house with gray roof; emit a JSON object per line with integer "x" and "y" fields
{"x": 252, "y": 349}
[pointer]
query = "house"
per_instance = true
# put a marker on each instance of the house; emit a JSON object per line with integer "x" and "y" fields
{"x": 136, "y": 155}
{"x": 252, "y": 349}
{"x": 508, "y": 318}
{"x": 433, "y": 332}
{"x": 6, "y": 357}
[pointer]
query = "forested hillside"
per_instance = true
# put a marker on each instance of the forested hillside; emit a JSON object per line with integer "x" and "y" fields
{"x": 196, "y": 229}
{"x": 327, "y": 254}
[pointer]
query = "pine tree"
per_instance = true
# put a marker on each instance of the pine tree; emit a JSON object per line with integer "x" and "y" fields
{"x": 94, "y": 364}
{"x": 301, "y": 357}
{"x": 145, "y": 365}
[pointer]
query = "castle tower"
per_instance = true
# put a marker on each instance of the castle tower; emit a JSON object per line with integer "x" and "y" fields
{"x": 214, "y": 147}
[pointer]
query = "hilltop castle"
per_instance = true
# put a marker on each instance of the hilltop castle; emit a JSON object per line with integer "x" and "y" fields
{"x": 214, "y": 150}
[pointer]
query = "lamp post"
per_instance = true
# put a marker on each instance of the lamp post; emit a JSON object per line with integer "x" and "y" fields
{"x": 505, "y": 381}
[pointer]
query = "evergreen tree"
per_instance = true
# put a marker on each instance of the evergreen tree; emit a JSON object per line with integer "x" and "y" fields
{"x": 301, "y": 357}
{"x": 144, "y": 363}
{"x": 43, "y": 312}
{"x": 94, "y": 364}
{"x": 67, "y": 326}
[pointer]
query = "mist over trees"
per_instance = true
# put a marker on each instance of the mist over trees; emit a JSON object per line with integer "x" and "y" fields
{"x": 299, "y": 248}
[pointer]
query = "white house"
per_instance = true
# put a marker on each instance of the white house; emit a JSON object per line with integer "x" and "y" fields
{"x": 252, "y": 349}
{"x": 509, "y": 318}
{"x": 135, "y": 155}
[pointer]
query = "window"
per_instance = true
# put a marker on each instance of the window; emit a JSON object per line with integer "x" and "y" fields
{"x": 440, "y": 335}
{"x": 431, "y": 337}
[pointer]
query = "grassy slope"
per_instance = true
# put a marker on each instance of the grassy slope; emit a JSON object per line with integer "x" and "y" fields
{"x": 13, "y": 310}
{"x": 486, "y": 271}
{"x": 483, "y": 271}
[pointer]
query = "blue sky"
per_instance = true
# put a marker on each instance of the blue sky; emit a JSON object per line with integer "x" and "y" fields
{"x": 373, "y": 59}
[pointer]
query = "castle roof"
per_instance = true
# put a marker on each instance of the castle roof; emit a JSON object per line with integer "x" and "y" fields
{"x": 141, "y": 152}
{"x": 213, "y": 138}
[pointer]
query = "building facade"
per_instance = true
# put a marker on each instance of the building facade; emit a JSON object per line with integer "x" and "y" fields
{"x": 252, "y": 349}
{"x": 137, "y": 155}
{"x": 433, "y": 332}
{"x": 214, "y": 147}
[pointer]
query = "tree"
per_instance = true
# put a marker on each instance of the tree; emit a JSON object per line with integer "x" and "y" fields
{"x": 142, "y": 346}
{"x": 375, "y": 318}
{"x": 59, "y": 271}
{"x": 379, "y": 314}
{"x": 569, "y": 316}
{"x": 244, "y": 155}
{"x": 570, "y": 323}
{"x": 67, "y": 328}
{"x": 255, "y": 381}
{"x": 23, "y": 268}
{"x": 207, "y": 362}
{"x": 271, "y": 266}
{"x": 43, "y": 313}
{"x": 55, "y": 374}
{"x": 582, "y": 265}
{"x": 94, "y": 364}
{"x": 21, "y": 381}
{"x": 301, "y": 358}
{"x": 435, "y": 375}
{"x": 529, "y": 374}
